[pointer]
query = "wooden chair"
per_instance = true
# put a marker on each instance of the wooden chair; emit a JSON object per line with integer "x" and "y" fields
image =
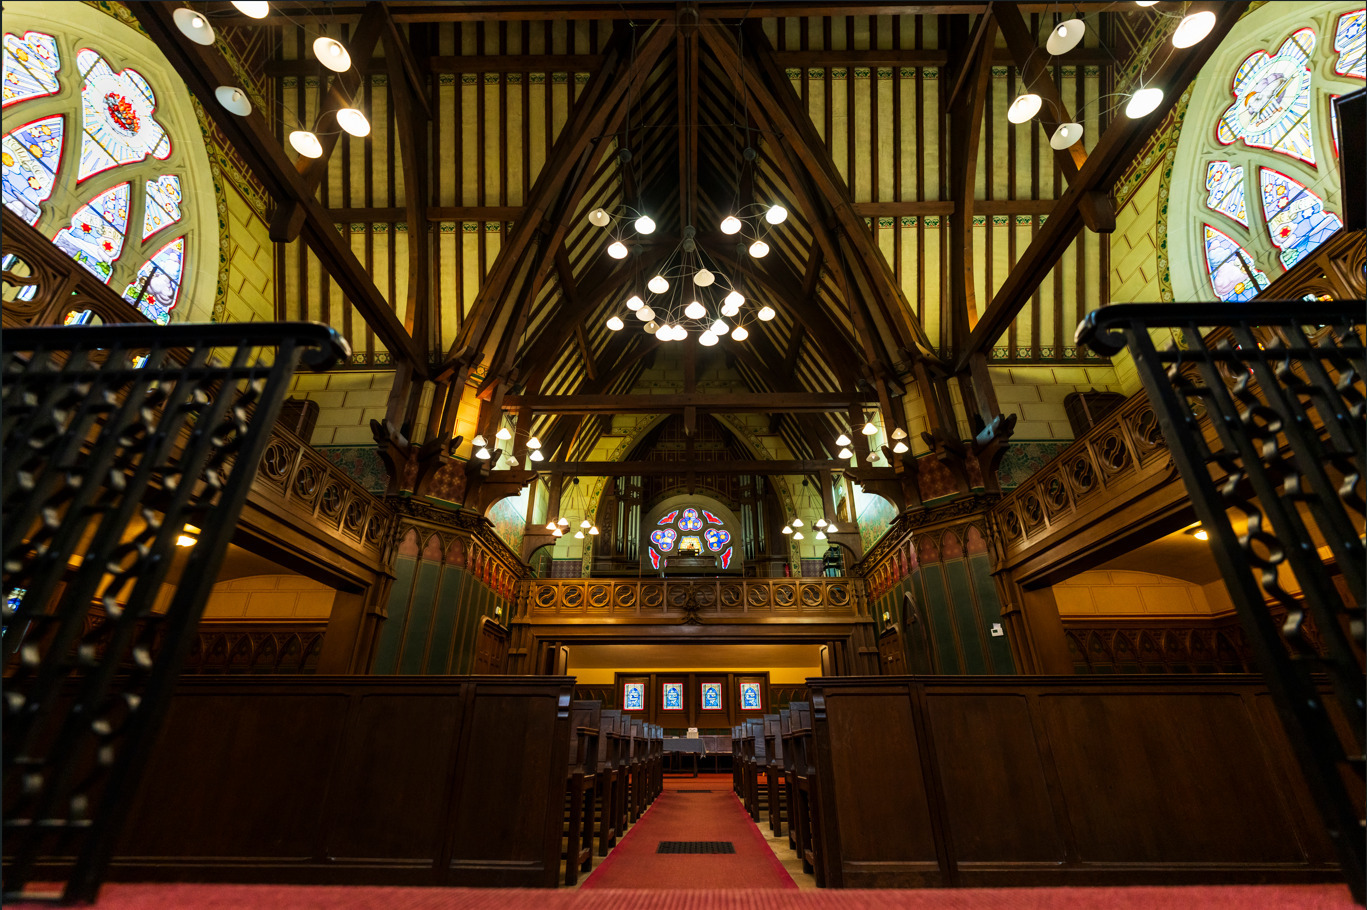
{"x": 808, "y": 806}
{"x": 607, "y": 778}
{"x": 773, "y": 772}
{"x": 580, "y": 787}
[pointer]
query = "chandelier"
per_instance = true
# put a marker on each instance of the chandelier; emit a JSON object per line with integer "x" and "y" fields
{"x": 689, "y": 293}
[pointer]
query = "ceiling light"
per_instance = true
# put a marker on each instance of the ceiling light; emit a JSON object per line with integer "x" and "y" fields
{"x": 821, "y": 522}
{"x": 594, "y": 530}
{"x": 842, "y": 440}
{"x": 832, "y": 529}
{"x": 644, "y": 225}
{"x": 185, "y": 540}
{"x": 846, "y": 454}
{"x": 1145, "y": 3}
{"x": 766, "y": 313}
{"x": 1065, "y": 36}
{"x": 617, "y": 250}
{"x": 707, "y": 339}
{"x": 579, "y": 535}
{"x": 599, "y": 218}
{"x": 1024, "y": 107}
{"x": 777, "y": 214}
{"x": 645, "y": 314}
{"x": 484, "y": 454}
{"x": 1065, "y": 136}
{"x": 257, "y": 9}
{"x": 557, "y": 533}
{"x": 536, "y": 456}
{"x": 193, "y": 26}
{"x": 820, "y": 535}
{"x": 585, "y": 524}
{"x": 797, "y": 535}
{"x": 730, "y": 224}
{"x": 233, "y": 99}
{"x": 353, "y": 121}
{"x": 720, "y": 328}
{"x": 730, "y": 312}
{"x": 797, "y": 522}
{"x": 899, "y": 433}
{"x": 759, "y": 249}
{"x": 306, "y": 144}
{"x": 702, "y": 278}
{"x": 678, "y": 333}
{"x": 872, "y": 457}
{"x": 513, "y": 462}
{"x": 665, "y": 332}
{"x": 533, "y": 443}
{"x": 900, "y": 447}
{"x": 869, "y": 429}
{"x": 478, "y": 441}
{"x": 503, "y": 433}
{"x": 1144, "y": 101}
{"x": 1201, "y": 534}
{"x": 332, "y": 54}
{"x": 652, "y": 327}
{"x": 563, "y": 521}
{"x": 739, "y": 333}
{"x": 695, "y": 310}
{"x": 1193, "y": 28}
{"x": 787, "y": 529}
{"x": 733, "y": 299}
{"x": 657, "y": 285}
{"x": 615, "y": 323}
{"x": 550, "y": 526}
{"x": 634, "y": 302}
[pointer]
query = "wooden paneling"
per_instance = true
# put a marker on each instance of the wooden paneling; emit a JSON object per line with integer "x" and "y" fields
{"x": 975, "y": 781}
{"x": 349, "y": 780}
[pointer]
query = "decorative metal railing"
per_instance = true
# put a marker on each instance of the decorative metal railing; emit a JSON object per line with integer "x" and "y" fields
{"x": 706, "y": 600}
{"x": 1278, "y": 474}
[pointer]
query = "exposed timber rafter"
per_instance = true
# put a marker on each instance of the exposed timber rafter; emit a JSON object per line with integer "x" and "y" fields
{"x": 788, "y": 402}
{"x": 204, "y": 69}
{"x": 1113, "y": 152}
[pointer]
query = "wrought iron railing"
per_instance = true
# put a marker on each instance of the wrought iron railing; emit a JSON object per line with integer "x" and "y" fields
{"x": 1279, "y": 473}
{"x": 707, "y": 600}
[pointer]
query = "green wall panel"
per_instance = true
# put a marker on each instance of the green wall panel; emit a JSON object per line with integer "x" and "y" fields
{"x": 391, "y": 633}
{"x": 420, "y": 617}
{"x": 444, "y": 622}
{"x": 939, "y": 616}
{"x": 964, "y": 610}
{"x": 990, "y": 606}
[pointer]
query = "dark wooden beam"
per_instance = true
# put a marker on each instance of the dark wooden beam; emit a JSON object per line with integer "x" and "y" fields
{"x": 965, "y": 127}
{"x": 204, "y": 69}
{"x": 1029, "y": 59}
{"x": 407, "y": 98}
{"x": 795, "y": 402}
{"x": 1111, "y": 155}
{"x": 390, "y": 214}
{"x": 658, "y": 468}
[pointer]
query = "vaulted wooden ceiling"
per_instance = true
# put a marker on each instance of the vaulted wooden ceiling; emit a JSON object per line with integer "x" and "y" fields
{"x": 925, "y": 233}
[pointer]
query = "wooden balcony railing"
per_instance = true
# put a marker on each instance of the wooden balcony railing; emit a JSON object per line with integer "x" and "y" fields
{"x": 707, "y": 600}
{"x": 246, "y": 647}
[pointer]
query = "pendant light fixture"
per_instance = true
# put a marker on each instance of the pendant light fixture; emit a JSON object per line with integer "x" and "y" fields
{"x": 353, "y": 121}
{"x": 503, "y": 433}
{"x": 233, "y": 99}
{"x": 193, "y": 25}
{"x": 842, "y": 440}
{"x": 332, "y": 54}
{"x": 257, "y": 9}
{"x": 1065, "y": 36}
{"x": 846, "y": 454}
{"x": 1024, "y": 107}
{"x": 1193, "y": 28}
{"x": 869, "y": 428}
{"x": 1144, "y": 101}
{"x": 1065, "y": 136}
{"x": 306, "y": 143}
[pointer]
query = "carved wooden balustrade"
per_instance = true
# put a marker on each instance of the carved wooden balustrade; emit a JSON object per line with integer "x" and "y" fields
{"x": 1158, "y": 646}
{"x": 748, "y": 600}
{"x": 1124, "y": 451}
{"x": 296, "y": 477}
{"x": 246, "y": 647}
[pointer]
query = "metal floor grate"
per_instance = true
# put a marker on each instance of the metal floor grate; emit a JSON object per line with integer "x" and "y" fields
{"x": 696, "y": 846}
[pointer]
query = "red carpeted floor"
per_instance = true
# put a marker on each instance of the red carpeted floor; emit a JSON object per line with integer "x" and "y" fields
{"x": 699, "y": 808}
{"x": 272, "y": 897}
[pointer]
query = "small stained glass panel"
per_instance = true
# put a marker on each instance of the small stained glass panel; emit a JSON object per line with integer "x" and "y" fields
{"x": 711, "y": 697}
{"x": 95, "y": 238}
{"x": 163, "y": 204}
{"x": 157, "y": 285}
{"x": 1233, "y": 276}
{"x": 30, "y": 69}
{"x": 750, "y": 697}
{"x": 116, "y": 117}
{"x": 32, "y": 154}
{"x": 1272, "y": 107}
{"x": 633, "y": 696}
{"x": 1225, "y": 190}
{"x": 1350, "y": 42}
{"x": 1296, "y": 219}
{"x": 671, "y": 696}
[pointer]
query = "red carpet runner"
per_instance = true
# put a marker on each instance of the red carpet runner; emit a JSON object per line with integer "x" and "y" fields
{"x": 684, "y": 813}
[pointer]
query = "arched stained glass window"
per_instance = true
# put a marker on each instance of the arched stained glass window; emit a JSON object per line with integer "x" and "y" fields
{"x": 95, "y": 238}
{"x": 32, "y": 154}
{"x": 103, "y": 153}
{"x": 693, "y": 530}
{"x": 1254, "y": 185}
{"x": 1296, "y": 219}
{"x": 31, "y": 65}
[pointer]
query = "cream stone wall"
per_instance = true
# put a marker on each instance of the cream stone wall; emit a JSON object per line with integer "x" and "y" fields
{"x": 347, "y": 402}
{"x": 251, "y": 262}
{"x": 270, "y": 597}
{"x": 1035, "y": 395}
{"x": 1105, "y": 592}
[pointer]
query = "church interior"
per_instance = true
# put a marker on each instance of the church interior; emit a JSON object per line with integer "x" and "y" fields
{"x": 758, "y": 445}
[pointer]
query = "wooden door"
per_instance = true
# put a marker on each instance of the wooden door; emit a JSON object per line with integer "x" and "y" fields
{"x": 892, "y": 660}
{"x": 491, "y": 649}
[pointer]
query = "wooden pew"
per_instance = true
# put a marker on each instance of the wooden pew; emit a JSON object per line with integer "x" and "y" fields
{"x": 773, "y": 772}
{"x": 581, "y": 787}
{"x": 785, "y": 732}
{"x": 1007, "y": 781}
{"x": 757, "y": 761}
{"x": 606, "y": 781}
{"x": 397, "y": 780}
{"x": 806, "y": 792}
{"x": 737, "y": 761}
